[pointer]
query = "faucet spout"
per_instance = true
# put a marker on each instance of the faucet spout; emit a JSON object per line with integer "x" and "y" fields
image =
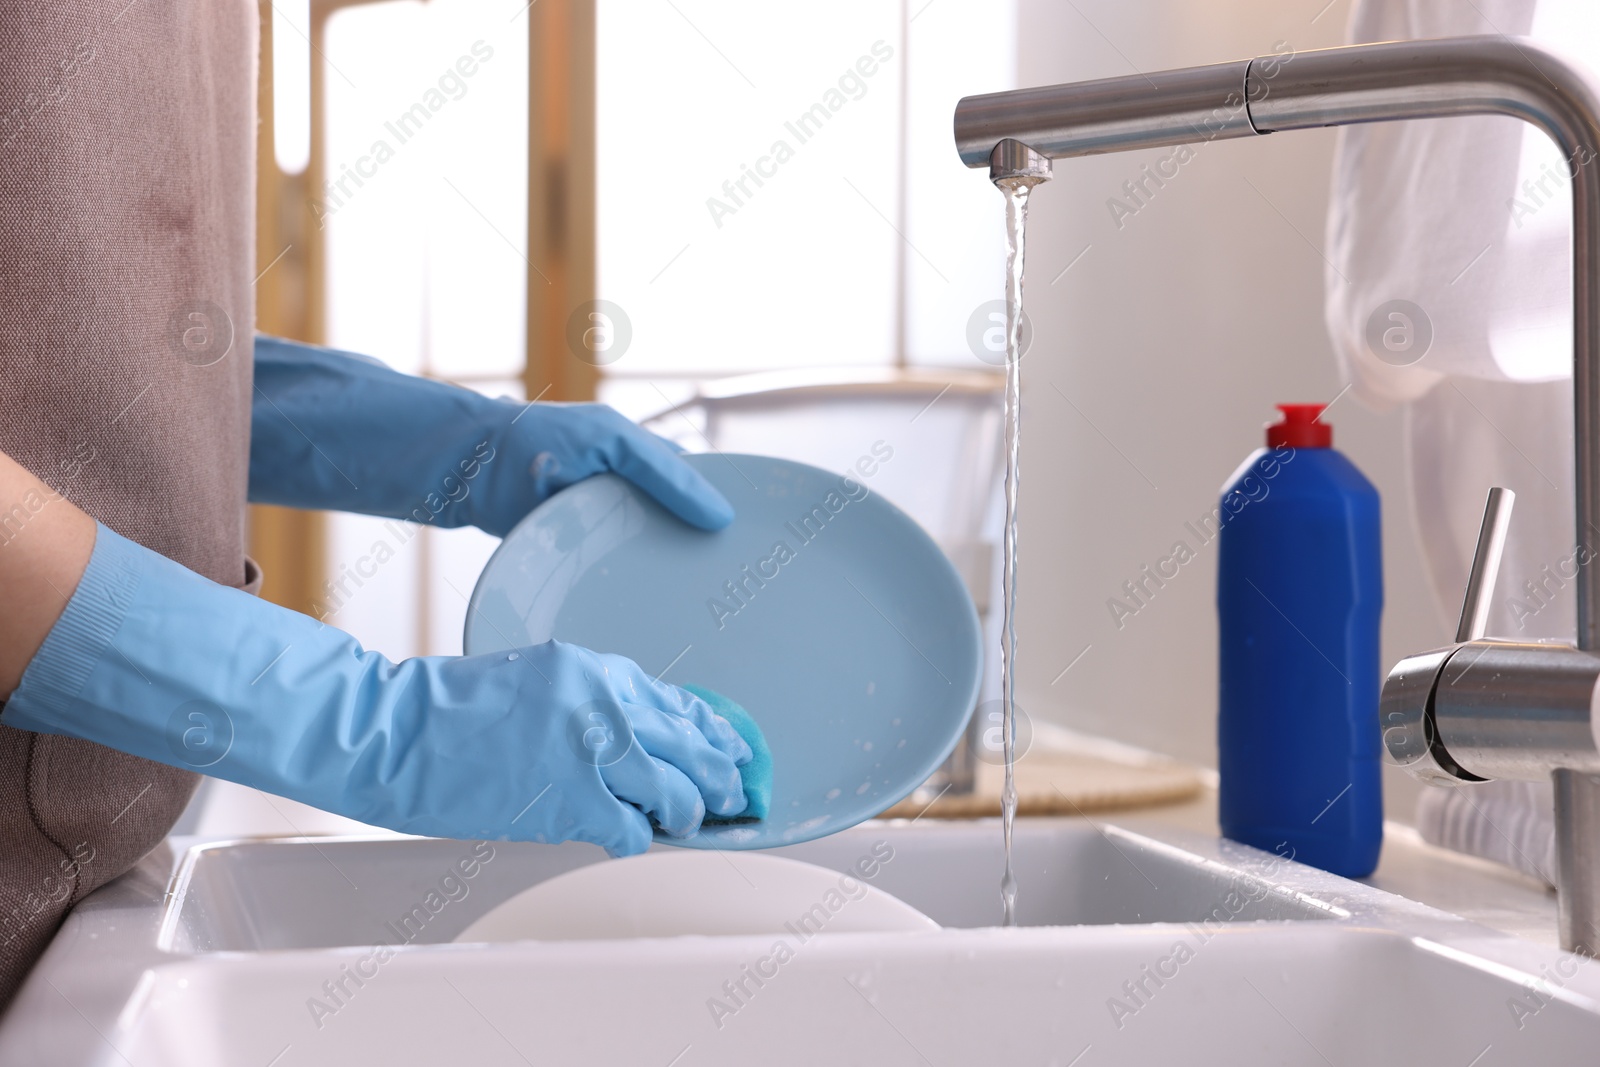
{"x": 1535, "y": 717}
{"x": 1012, "y": 160}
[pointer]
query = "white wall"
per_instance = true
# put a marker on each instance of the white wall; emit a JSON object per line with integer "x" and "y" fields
{"x": 1173, "y": 337}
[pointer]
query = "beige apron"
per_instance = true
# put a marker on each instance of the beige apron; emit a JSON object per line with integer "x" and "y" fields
{"x": 127, "y": 182}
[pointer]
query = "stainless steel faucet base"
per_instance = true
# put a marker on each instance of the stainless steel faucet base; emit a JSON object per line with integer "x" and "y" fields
{"x": 1479, "y": 709}
{"x": 1577, "y": 837}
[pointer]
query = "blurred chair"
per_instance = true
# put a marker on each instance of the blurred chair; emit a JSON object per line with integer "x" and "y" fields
{"x": 944, "y": 427}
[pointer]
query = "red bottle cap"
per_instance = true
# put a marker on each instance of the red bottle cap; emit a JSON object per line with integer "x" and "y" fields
{"x": 1300, "y": 428}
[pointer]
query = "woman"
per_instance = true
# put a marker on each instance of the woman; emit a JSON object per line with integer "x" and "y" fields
{"x": 136, "y": 424}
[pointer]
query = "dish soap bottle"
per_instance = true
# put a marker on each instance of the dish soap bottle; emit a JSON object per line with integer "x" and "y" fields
{"x": 1299, "y": 596}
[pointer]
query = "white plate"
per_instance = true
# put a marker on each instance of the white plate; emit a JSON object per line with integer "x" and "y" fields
{"x": 671, "y": 894}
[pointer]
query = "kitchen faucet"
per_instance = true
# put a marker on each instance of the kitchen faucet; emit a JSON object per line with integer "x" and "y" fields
{"x": 1478, "y": 709}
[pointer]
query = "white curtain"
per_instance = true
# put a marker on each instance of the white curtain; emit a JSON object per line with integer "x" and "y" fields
{"x": 1469, "y": 220}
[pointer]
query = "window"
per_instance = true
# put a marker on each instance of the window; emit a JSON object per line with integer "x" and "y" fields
{"x": 424, "y": 210}
{"x": 778, "y": 188}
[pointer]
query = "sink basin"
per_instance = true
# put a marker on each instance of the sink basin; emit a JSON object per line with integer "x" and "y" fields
{"x": 1137, "y": 943}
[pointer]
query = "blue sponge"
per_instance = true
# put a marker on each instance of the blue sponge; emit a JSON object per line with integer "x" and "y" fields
{"x": 757, "y": 774}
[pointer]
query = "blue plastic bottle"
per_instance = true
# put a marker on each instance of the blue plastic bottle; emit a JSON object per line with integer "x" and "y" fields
{"x": 1299, "y": 596}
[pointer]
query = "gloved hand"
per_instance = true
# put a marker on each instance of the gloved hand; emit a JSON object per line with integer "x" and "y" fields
{"x": 335, "y": 430}
{"x": 547, "y": 743}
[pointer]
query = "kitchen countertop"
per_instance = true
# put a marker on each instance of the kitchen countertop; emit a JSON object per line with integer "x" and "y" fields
{"x": 1488, "y": 893}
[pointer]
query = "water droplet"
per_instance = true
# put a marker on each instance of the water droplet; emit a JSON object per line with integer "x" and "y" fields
{"x": 805, "y": 827}
{"x": 514, "y": 655}
{"x": 832, "y": 794}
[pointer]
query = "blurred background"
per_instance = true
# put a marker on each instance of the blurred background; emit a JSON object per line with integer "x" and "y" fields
{"x": 580, "y": 199}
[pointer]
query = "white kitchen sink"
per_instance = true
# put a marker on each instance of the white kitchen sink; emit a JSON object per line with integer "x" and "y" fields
{"x": 1139, "y": 945}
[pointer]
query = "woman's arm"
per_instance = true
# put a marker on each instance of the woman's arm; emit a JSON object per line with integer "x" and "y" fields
{"x": 342, "y": 432}
{"x": 152, "y": 659}
{"x": 104, "y": 640}
{"x": 45, "y": 543}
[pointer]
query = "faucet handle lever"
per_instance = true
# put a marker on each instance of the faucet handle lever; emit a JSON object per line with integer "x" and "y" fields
{"x": 1486, "y": 564}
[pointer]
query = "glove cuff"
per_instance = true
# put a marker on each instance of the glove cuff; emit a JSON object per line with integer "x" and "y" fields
{"x": 75, "y": 645}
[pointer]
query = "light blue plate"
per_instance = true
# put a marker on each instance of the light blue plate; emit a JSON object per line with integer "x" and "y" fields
{"x": 851, "y": 639}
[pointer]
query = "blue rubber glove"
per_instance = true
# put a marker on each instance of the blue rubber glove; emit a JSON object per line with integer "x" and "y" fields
{"x": 548, "y": 743}
{"x": 335, "y": 430}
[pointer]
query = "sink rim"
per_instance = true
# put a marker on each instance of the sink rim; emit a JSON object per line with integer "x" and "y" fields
{"x": 1335, "y": 898}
